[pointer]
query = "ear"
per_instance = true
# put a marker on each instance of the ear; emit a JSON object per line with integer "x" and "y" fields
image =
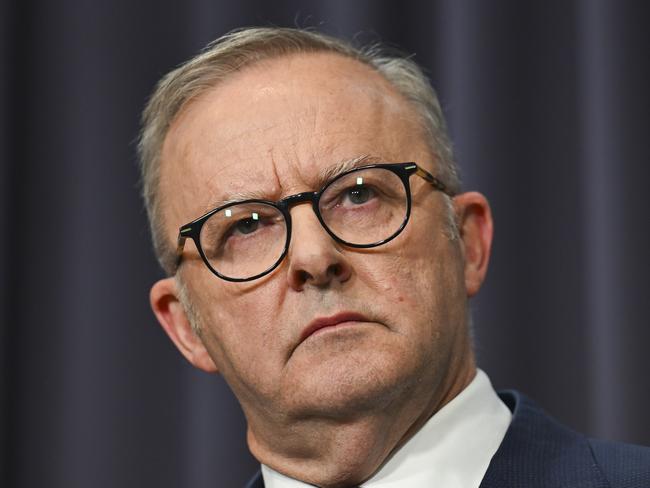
{"x": 171, "y": 314}
{"x": 475, "y": 227}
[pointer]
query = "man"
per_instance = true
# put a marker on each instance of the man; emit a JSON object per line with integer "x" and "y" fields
{"x": 305, "y": 205}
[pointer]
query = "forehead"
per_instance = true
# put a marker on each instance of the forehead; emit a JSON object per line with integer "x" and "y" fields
{"x": 273, "y": 127}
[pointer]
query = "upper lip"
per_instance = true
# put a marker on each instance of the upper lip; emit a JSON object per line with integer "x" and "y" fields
{"x": 337, "y": 318}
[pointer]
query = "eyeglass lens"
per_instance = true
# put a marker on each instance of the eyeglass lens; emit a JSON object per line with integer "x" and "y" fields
{"x": 365, "y": 206}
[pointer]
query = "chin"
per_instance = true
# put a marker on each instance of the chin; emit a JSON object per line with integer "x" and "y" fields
{"x": 363, "y": 379}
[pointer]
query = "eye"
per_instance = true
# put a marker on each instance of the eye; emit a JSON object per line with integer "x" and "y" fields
{"x": 359, "y": 194}
{"x": 246, "y": 226}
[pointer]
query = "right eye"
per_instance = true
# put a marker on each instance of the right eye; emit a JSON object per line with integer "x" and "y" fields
{"x": 245, "y": 226}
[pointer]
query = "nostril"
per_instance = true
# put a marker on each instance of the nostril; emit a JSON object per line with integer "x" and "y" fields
{"x": 304, "y": 276}
{"x": 334, "y": 270}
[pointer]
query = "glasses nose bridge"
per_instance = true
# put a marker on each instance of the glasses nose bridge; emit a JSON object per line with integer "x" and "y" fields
{"x": 306, "y": 196}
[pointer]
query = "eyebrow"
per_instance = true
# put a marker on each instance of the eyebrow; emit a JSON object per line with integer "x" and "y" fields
{"x": 324, "y": 176}
{"x": 237, "y": 197}
{"x": 331, "y": 172}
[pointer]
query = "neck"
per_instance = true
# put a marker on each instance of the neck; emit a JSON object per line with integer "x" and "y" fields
{"x": 337, "y": 453}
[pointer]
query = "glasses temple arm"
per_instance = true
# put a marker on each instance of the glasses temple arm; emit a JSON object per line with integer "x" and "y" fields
{"x": 435, "y": 182}
{"x": 179, "y": 249}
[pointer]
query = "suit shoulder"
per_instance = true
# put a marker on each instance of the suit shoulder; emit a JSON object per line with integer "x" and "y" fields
{"x": 624, "y": 465}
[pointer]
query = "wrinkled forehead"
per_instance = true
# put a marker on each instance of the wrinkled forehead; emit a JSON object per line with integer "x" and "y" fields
{"x": 276, "y": 126}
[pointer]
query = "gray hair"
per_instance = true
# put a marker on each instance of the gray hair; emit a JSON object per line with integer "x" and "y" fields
{"x": 241, "y": 48}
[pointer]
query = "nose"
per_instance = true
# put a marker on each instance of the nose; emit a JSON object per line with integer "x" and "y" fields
{"x": 314, "y": 257}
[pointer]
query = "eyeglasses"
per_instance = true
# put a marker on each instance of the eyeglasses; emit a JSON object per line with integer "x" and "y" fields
{"x": 361, "y": 208}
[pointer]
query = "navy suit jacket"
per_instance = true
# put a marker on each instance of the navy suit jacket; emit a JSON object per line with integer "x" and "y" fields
{"x": 539, "y": 452}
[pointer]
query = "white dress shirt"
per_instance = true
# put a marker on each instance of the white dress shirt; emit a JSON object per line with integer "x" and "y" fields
{"x": 452, "y": 450}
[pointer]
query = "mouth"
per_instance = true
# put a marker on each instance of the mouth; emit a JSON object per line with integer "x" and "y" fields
{"x": 337, "y": 320}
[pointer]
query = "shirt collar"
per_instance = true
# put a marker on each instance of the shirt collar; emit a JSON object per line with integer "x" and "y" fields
{"x": 452, "y": 449}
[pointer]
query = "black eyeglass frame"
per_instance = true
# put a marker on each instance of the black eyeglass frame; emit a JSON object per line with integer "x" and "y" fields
{"x": 192, "y": 230}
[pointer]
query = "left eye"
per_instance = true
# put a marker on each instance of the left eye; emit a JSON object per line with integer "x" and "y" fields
{"x": 359, "y": 194}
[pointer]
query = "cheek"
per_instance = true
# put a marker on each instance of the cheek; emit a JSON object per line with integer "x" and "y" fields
{"x": 237, "y": 327}
{"x": 239, "y": 330}
{"x": 420, "y": 278}
{"x": 403, "y": 274}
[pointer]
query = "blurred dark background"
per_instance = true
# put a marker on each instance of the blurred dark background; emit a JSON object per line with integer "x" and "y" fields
{"x": 549, "y": 109}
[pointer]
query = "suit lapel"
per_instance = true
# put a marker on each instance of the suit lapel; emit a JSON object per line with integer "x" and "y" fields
{"x": 538, "y": 452}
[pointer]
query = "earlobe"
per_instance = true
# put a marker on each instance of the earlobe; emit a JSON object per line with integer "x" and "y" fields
{"x": 475, "y": 228}
{"x": 172, "y": 317}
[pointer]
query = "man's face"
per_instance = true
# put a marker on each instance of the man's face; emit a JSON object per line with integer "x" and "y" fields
{"x": 270, "y": 130}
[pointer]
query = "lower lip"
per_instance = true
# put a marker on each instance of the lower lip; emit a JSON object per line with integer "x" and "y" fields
{"x": 334, "y": 327}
